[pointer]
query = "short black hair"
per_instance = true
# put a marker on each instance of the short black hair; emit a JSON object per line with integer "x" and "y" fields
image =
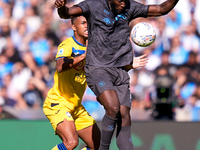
{"x": 73, "y": 19}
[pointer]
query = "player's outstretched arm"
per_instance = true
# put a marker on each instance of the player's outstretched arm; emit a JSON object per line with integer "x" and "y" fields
{"x": 66, "y": 12}
{"x": 162, "y": 9}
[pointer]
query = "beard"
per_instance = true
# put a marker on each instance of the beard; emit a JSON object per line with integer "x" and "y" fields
{"x": 115, "y": 11}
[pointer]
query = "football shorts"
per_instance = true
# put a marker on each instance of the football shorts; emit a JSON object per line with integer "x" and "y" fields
{"x": 100, "y": 79}
{"x": 56, "y": 112}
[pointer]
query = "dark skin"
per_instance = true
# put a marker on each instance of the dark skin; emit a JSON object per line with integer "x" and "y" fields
{"x": 109, "y": 98}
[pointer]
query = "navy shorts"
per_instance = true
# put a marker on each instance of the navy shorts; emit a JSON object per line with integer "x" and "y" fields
{"x": 100, "y": 79}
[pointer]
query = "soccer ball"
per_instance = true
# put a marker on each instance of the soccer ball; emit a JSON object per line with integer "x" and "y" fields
{"x": 143, "y": 34}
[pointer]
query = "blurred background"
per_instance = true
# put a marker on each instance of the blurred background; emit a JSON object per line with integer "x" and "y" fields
{"x": 167, "y": 88}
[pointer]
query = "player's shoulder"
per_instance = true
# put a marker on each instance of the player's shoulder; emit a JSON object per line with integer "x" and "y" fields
{"x": 138, "y": 6}
{"x": 94, "y": 2}
{"x": 136, "y": 3}
{"x": 66, "y": 42}
{"x": 133, "y": 2}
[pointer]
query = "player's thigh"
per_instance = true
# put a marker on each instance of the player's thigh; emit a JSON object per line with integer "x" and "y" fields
{"x": 124, "y": 94}
{"x": 109, "y": 99}
{"x": 101, "y": 80}
{"x": 66, "y": 130}
{"x": 87, "y": 128}
{"x": 91, "y": 136}
{"x": 61, "y": 119}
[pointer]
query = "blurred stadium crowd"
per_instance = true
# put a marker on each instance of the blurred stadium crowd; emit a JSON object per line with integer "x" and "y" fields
{"x": 168, "y": 87}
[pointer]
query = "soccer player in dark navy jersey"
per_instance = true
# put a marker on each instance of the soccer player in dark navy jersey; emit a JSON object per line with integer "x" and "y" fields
{"x": 109, "y": 56}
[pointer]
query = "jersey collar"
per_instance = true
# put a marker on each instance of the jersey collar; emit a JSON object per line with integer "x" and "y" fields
{"x": 77, "y": 41}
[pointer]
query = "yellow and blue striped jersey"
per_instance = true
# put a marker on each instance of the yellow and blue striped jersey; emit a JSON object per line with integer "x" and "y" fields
{"x": 69, "y": 85}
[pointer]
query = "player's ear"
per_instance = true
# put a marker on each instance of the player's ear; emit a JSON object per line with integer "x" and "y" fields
{"x": 74, "y": 27}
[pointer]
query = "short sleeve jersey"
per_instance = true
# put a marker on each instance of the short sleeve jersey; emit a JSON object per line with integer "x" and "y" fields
{"x": 109, "y": 36}
{"x": 69, "y": 85}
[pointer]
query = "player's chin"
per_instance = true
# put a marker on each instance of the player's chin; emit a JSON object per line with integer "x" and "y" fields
{"x": 86, "y": 37}
{"x": 119, "y": 11}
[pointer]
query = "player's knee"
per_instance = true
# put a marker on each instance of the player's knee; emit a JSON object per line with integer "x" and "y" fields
{"x": 71, "y": 143}
{"x": 113, "y": 111}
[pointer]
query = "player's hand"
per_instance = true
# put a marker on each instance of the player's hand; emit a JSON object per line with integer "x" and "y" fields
{"x": 60, "y": 3}
{"x": 140, "y": 61}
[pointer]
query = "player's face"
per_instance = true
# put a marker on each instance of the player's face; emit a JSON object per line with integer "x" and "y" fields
{"x": 81, "y": 27}
{"x": 118, "y": 6}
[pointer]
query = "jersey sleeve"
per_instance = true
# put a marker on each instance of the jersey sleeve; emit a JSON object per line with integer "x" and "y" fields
{"x": 84, "y": 6}
{"x": 139, "y": 10}
{"x": 64, "y": 50}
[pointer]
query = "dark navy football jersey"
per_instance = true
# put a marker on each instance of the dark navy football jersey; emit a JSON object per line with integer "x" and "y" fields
{"x": 108, "y": 42}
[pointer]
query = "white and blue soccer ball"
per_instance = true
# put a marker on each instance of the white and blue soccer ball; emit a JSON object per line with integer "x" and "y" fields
{"x": 143, "y": 34}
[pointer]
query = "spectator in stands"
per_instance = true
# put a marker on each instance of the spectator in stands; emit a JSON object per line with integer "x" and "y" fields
{"x": 162, "y": 42}
{"x": 191, "y": 42}
{"x": 173, "y": 23}
{"x": 178, "y": 54}
{"x": 5, "y": 66}
{"x": 171, "y": 68}
{"x": 1, "y": 106}
{"x": 32, "y": 96}
{"x": 11, "y": 52}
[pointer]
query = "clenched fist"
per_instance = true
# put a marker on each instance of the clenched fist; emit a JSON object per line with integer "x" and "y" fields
{"x": 60, "y": 3}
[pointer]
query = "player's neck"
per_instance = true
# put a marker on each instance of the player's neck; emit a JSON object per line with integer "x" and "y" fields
{"x": 80, "y": 39}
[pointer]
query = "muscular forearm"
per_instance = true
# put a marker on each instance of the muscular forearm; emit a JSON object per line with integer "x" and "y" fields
{"x": 167, "y": 6}
{"x": 64, "y": 64}
{"x": 69, "y": 12}
{"x": 162, "y": 9}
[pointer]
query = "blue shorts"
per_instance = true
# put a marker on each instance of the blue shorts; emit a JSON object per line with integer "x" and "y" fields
{"x": 100, "y": 79}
